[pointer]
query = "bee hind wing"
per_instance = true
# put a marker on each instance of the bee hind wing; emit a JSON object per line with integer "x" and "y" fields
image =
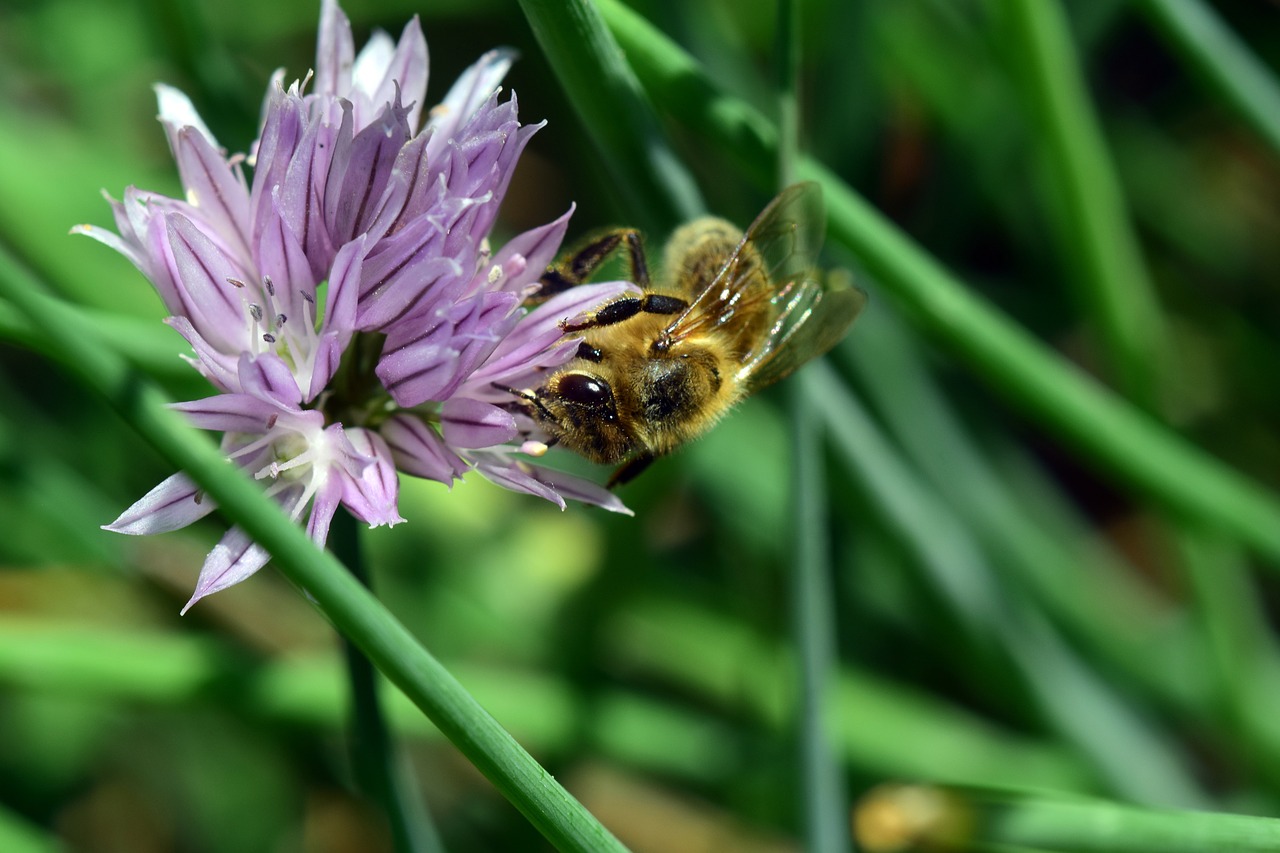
{"x": 781, "y": 245}
{"x": 812, "y": 318}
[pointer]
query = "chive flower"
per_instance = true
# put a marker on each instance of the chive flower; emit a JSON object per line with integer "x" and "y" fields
{"x": 344, "y": 301}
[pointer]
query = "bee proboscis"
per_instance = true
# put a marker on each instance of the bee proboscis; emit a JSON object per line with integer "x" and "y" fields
{"x": 735, "y": 312}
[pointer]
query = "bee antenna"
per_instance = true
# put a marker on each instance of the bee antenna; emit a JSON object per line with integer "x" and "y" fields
{"x": 528, "y": 397}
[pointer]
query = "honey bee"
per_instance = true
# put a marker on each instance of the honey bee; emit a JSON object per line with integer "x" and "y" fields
{"x": 736, "y": 312}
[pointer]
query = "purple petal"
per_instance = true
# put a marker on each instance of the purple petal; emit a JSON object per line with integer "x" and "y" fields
{"x": 481, "y": 332}
{"x": 281, "y": 259}
{"x": 232, "y": 560}
{"x": 177, "y": 112}
{"x": 282, "y": 132}
{"x": 215, "y": 187}
{"x": 218, "y": 367}
{"x": 525, "y": 256}
{"x": 408, "y": 274}
{"x": 430, "y": 363}
{"x": 419, "y": 372}
{"x": 532, "y": 345}
{"x": 470, "y": 423}
{"x": 372, "y": 494}
{"x": 339, "y": 315}
{"x": 578, "y": 489}
{"x": 323, "y": 506}
{"x": 235, "y": 413}
{"x": 516, "y": 476}
{"x": 360, "y": 169}
{"x": 302, "y": 193}
{"x": 203, "y": 273}
{"x": 370, "y": 68}
{"x": 477, "y": 165}
{"x": 268, "y": 378}
{"x": 466, "y": 96}
{"x": 173, "y": 504}
{"x": 419, "y": 451}
{"x": 411, "y": 190}
{"x": 335, "y": 51}
{"x": 130, "y": 248}
{"x": 406, "y": 67}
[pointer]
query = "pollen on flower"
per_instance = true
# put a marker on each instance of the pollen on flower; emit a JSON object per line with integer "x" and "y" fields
{"x": 534, "y": 448}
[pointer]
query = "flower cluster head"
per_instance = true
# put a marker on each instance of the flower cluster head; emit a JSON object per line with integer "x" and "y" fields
{"x": 344, "y": 301}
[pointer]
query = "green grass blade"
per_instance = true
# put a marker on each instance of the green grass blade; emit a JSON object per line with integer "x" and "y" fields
{"x": 1139, "y": 761}
{"x": 813, "y": 604}
{"x": 1123, "y": 442}
{"x": 1095, "y": 235}
{"x": 992, "y": 820}
{"x": 823, "y": 799}
{"x": 169, "y": 670}
{"x": 1223, "y": 59}
{"x": 602, "y": 88}
{"x": 17, "y": 836}
{"x": 347, "y": 604}
{"x": 1066, "y": 571}
{"x": 879, "y": 727}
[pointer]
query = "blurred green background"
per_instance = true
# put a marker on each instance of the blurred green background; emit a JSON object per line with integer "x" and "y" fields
{"x": 1005, "y": 612}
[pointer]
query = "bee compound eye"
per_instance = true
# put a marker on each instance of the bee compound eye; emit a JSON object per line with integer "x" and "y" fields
{"x": 585, "y": 390}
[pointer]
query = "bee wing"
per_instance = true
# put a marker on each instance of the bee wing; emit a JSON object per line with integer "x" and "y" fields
{"x": 785, "y": 238}
{"x": 811, "y": 318}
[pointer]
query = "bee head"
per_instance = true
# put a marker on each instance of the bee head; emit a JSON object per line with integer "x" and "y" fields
{"x": 581, "y": 411}
{"x": 584, "y": 395}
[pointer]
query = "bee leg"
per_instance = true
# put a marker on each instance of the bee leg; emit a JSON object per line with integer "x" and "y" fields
{"x": 579, "y": 266}
{"x": 630, "y": 470}
{"x": 626, "y": 307}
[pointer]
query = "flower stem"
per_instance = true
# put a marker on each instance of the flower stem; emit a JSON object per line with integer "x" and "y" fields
{"x": 379, "y": 771}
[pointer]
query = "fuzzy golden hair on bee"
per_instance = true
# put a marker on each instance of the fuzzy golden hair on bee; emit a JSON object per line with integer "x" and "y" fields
{"x": 733, "y": 312}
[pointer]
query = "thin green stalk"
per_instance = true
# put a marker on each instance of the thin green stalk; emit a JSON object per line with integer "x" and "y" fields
{"x": 1066, "y": 574}
{"x": 349, "y": 606}
{"x": 379, "y": 769}
{"x": 788, "y": 57}
{"x": 915, "y": 817}
{"x": 615, "y": 113}
{"x": 1242, "y": 657}
{"x": 1095, "y": 234}
{"x": 1069, "y": 572}
{"x": 1096, "y": 229}
{"x": 1138, "y": 759}
{"x": 823, "y": 797}
{"x": 1223, "y": 59}
{"x": 1122, "y": 442}
{"x": 879, "y": 727}
{"x": 1108, "y": 828}
{"x": 824, "y": 800}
